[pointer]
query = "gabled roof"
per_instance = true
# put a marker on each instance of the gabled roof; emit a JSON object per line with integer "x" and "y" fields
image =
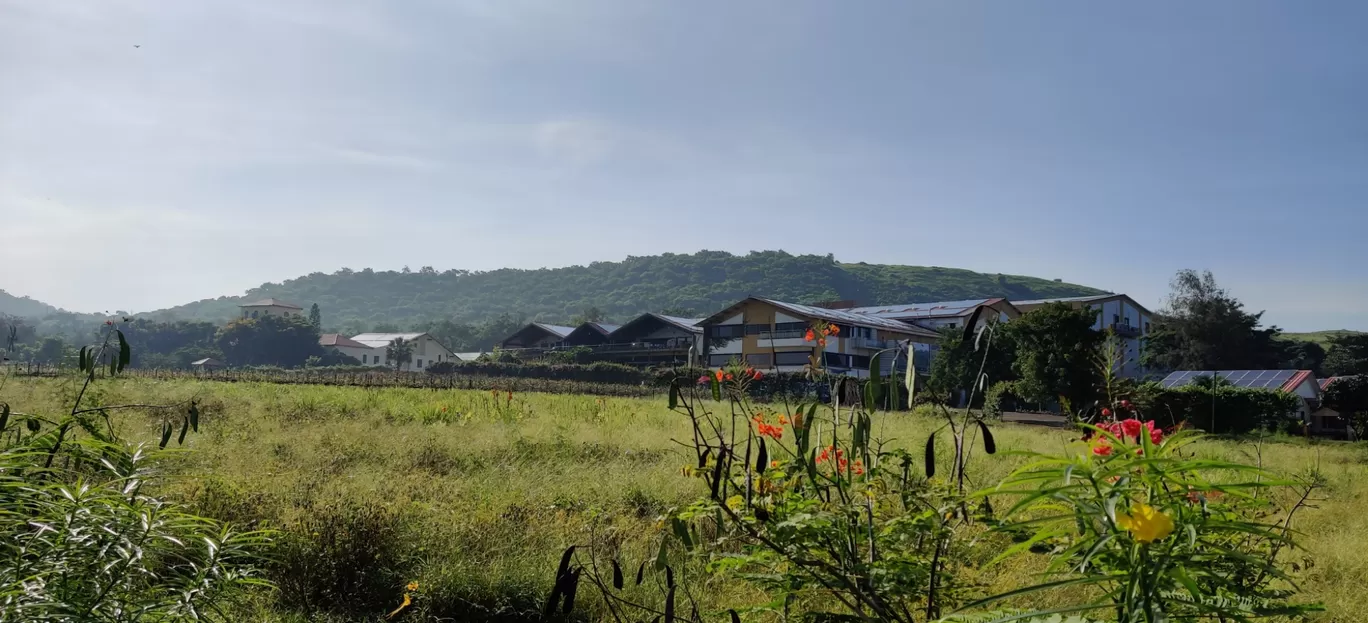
{"x": 830, "y": 315}
{"x": 1285, "y": 380}
{"x": 271, "y": 303}
{"x": 1325, "y": 383}
{"x": 690, "y": 325}
{"x": 943, "y": 309}
{"x": 601, "y": 327}
{"x": 337, "y": 339}
{"x": 466, "y": 356}
{"x": 207, "y": 361}
{"x": 559, "y": 330}
{"x": 381, "y": 340}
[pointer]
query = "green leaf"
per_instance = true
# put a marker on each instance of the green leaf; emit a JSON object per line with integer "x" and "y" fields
{"x": 716, "y": 388}
{"x": 617, "y": 575}
{"x": 662, "y": 560}
{"x": 83, "y": 360}
{"x": 735, "y": 618}
{"x": 1183, "y": 578}
{"x": 165, "y": 435}
{"x": 194, "y": 416}
{"x": 185, "y": 428}
{"x": 670, "y": 606}
{"x": 674, "y": 394}
{"x": 4, "y": 415}
{"x": 930, "y": 457}
{"x": 762, "y": 458}
{"x": 641, "y": 573}
{"x": 125, "y": 353}
{"x": 681, "y": 531}
{"x": 33, "y": 425}
{"x": 874, "y": 388}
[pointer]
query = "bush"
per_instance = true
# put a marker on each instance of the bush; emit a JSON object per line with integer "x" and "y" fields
{"x": 1235, "y": 409}
{"x": 342, "y": 557}
{"x": 1002, "y": 396}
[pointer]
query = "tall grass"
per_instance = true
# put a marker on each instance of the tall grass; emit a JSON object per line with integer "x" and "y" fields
{"x": 473, "y": 495}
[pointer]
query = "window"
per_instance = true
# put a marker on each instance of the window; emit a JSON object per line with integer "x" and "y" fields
{"x": 717, "y": 361}
{"x": 725, "y": 331}
{"x": 420, "y": 363}
{"x": 782, "y": 327}
{"x": 254, "y": 313}
{"x": 798, "y": 358}
{"x": 757, "y": 329}
{"x": 859, "y": 361}
{"x": 761, "y": 360}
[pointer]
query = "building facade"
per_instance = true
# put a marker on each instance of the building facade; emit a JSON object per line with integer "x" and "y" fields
{"x": 770, "y": 335}
{"x": 1118, "y": 312}
{"x": 270, "y": 307}
{"x": 426, "y": 350}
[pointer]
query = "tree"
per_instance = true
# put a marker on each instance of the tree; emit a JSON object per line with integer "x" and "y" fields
{"x": 1348, "y": 355}
{"x": 51, "y": 350}
{"x": 1348, "y": 396}
{"x": 316, "y": 317}
{"x": 1056, "y": 354}
{"x": 590, "y": 314}
{"x": 399, "y": 352}
{"x": 956, "y": 366}
{"x": 1301, "y": 355}
{"x": 1203, "y": 327}
{"x": 268, "y": 341}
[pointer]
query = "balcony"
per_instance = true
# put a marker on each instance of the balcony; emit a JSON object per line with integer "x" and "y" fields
{"x": 1123, "y": 329}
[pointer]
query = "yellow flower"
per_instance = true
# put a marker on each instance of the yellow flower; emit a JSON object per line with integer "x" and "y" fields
{"x": 408, "y": 601}
{"x": 1146, "y": 523}
{"x": 412, "y": 586}
{"x": 735, "y": 502}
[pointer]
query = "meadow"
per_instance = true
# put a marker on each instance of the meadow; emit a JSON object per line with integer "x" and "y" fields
{"x": 474, "y": 494}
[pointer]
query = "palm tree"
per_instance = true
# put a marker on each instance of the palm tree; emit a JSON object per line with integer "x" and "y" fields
{"x": 400, "y": 352}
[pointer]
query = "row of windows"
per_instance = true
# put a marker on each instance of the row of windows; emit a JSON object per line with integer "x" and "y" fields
{"x": 256, "y": 313}
{"x": 733, "y": 331}
{"x": 764, "y": 360}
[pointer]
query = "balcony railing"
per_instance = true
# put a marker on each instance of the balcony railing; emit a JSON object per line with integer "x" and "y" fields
{"x": 1125, "y": 330}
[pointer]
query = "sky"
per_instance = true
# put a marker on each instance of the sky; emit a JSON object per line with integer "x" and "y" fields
{"x": 155, "y": 152}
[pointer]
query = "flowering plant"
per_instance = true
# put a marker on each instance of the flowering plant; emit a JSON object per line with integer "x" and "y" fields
{"x": 1164, "y": 533}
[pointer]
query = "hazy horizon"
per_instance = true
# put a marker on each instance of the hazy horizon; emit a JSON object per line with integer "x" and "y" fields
{"x": 155, "y": 153}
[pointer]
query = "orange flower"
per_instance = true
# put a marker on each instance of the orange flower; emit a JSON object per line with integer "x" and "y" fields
{"x": 809, "y": 336}
{"x": 859, "y": 468}
{"x": 1102, "y": 447}
{"x": 774, "y": 464}
{"x": 783, "y": 419}
{"x": 729, "y": 376}
{"x": 835, "y": 330}
{"x": 719, "y": 375}
{"x": 821, "y": 341}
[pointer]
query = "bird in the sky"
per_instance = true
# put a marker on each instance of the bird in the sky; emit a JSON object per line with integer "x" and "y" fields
{"x": 136, "y": 45}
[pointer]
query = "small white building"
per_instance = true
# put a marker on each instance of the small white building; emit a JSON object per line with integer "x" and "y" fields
{"x": 365, "y": 354}
{"x": 426, "y": 349}
{"x": 1118, "y": 312}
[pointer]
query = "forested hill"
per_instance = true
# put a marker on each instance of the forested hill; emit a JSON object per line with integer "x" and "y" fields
{"x": 24, "y": 306}
{"x": 696, "y": 284}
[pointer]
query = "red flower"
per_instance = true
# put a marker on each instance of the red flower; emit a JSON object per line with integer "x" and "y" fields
{"x": 1131, "y": 428}
{"x": 835, "y": 330}
{"x": 757, "y": 375}
{"x": 809, "y": 336}
{"x": 1125, "y": 404}
{"x": 1155, "y": 433}
{"x": 109, "y": 322}
{"x": 821, "y": 341}
{"x": 859, "y": 468}
{"x": 703, "y": 380}
{"x": 1106, "y": 412}
{"x": 728, "y": 376}
{"x": 1102, "y": 448}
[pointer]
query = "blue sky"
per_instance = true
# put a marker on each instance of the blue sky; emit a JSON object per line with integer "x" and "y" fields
{"x": 1109, "y": 144}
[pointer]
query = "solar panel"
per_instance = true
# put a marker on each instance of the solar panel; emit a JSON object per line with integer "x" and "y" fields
{"x": 1261, "y": 379}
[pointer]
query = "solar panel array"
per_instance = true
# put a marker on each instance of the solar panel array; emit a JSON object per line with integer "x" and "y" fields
{"x": 1265, "y": 379}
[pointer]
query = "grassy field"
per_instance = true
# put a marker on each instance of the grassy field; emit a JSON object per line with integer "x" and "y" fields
{"x": 474, "y": 495}
{"x": 1320, "y": 337}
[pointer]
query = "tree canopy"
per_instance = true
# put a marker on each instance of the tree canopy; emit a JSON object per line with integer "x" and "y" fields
{"x": 1204, "y": 327}
{"x": 1348, "y": 355}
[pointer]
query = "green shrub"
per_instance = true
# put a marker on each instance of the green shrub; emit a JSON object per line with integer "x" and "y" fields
{"x": 1224, "y": 409}
{"x": 340, "y": 557}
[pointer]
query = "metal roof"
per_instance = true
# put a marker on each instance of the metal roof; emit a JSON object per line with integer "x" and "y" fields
{"x": 689, "y": 324}
{"x": 466, "y": 356}
{"x": 846, "y": 317}
{"x": 337, "y": 339}
{"x": 555, "y": 328}
{"x": 380, "y": 340}
{"x": 207, "y": 361}
{"x": 1285, "y": 380}
{"x": 1068, "y": 299}
{"x": 924, "y": 310}
{"x": 271, "y": 303}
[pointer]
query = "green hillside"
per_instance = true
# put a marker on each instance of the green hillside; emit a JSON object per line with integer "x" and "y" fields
{"x": 12, "y": 305}
{"x": 1320, "y": 337}
{"x": 699, "y": 283}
